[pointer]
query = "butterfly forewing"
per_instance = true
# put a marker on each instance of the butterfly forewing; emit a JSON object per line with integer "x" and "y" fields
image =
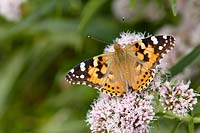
{"x": 89, "y": 72}
{"x": 150, "y": 50}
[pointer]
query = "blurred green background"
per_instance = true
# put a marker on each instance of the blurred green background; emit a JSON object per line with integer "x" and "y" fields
{"x": 37, "y": 51}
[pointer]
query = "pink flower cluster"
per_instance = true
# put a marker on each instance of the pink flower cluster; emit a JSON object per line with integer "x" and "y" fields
{"x": 177, "y": 98}
{"x": 128, "y": 114}
{"x": 125, "y": 39}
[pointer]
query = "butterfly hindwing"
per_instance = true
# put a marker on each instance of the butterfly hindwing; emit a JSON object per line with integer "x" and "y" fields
{"x": 143, "y": 77}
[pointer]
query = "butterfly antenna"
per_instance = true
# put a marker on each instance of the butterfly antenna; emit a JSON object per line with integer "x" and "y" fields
{"x": 98, "y": 40}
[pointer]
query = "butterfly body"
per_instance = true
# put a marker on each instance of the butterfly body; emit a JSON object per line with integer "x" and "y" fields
{"x": 130, "y": 67}
{"x": 123, "y": 64}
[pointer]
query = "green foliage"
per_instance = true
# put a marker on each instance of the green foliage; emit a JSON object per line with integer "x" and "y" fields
{"x": 173, "y": 6}
{"x": 132, "y": 2}
{"x": 89, "y": 10}
{"x": 186, "y": 61}
{"x": 37, "y": 52}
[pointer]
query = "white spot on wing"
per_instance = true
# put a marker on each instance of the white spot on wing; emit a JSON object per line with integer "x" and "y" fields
{"x": 82, "y": 76}
{"x": 82, "y": 66}
{"x": 154, "y": 39}
{"x": 72, "y": 70}
{"x": 83, "y": 83}
{"x": 165, "y": 37}
{"x": 160, "y": 47}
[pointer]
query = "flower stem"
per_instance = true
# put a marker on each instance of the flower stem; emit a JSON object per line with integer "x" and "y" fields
{"x": 191, "y": 125}
{"x": 188, "y": 118}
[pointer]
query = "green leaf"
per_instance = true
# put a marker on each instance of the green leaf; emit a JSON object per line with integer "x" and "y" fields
{"x": 89, "y": 10}
{"x": 58, "y": 32}
{"x": 173, "y": 6}
{"x": 176, "y": 126}
{"x": 186, "y": 61}
{"x": 9, "y": 74}
{"x": 61, "y": 122}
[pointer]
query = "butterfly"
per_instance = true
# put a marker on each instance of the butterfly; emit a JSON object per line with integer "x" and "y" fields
{"x": 127, "y": 68}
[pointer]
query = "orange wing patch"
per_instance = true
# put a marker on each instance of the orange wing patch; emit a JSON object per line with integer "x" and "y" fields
{"x": 106, "y": 76}
{"x": 112, "y": 86}
{"x": 142, "y": 78}
{"x": 150, "y": 50}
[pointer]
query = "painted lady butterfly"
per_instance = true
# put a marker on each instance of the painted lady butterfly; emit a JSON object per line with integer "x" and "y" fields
{"x": 132, "y": 67}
